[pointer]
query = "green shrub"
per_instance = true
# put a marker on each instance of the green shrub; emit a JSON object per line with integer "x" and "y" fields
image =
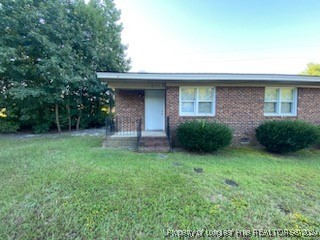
{"x": 7, "y": 126}
{"x": 318, "y": 141}
{"x": 41, "y": 128}
{"x": 204, "y": 136}
{"x": 287, "y": 136}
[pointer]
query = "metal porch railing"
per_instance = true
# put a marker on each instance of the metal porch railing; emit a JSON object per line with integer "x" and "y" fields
{"x": 123, "y": 125}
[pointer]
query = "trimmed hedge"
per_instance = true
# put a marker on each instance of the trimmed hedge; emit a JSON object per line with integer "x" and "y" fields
{"x": 287, "y": 136}
{"x": 202, "y": 136}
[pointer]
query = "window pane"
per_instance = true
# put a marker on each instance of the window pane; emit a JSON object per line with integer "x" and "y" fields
{"x": 286, "y": 95}
{"x": 188, "y": 94}
{"x": 286, "y": 107}
{"x": 270, "y": 107}
{"x": 271, "y": 94}
{"x": 205, "y": 94}
{"x": 187, "y": 107}
{"x": 205, "y": 107}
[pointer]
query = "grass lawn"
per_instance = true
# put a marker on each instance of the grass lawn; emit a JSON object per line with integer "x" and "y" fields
{"x": 71, "y": 188}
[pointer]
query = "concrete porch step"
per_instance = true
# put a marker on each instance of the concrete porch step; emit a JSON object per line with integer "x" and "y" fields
{"x": 154, "y": 149}
{"x": 153, "y": 141}
{"x": 154, "y": 144}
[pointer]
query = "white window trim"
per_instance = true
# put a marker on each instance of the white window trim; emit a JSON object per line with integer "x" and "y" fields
{"x": 197, "y": 103}
{"x": 278, "y": 113}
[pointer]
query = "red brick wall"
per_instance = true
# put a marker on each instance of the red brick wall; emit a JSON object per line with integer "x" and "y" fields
{"x": 129, "y": 107}
{"x": 242, "y": 108}
{"x": 309, "y": 104}
{"x": 239, "y": 107}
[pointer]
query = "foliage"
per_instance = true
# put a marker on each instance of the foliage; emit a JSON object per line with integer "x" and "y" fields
{"x": 3, "y": 113}
{"x": 204, "y": 136}
{"x": 7, "y": 126}
{"x": 287, "y": 136}
{"x": 41, "y": 128}
{"x": 49, "y": 54}
{"x": 70, "y": 188}
{"x": 312, "y": 69}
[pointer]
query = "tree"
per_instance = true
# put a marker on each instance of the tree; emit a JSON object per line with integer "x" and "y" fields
{"x": 50, "y": 51}
{"x": 312, "y": 69}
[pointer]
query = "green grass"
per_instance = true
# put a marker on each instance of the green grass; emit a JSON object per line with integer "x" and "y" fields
{"x": 71, "y": 188}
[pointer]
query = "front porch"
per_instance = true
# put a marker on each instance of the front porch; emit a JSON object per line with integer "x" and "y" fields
{"x": 127, "y": 133}
{"x": 140, "y": 122}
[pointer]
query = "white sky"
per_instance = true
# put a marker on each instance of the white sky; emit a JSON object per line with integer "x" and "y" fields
{"x": 155, "y": 45}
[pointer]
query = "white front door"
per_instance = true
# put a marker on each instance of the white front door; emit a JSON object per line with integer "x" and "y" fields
{"x": 154, "y": 110}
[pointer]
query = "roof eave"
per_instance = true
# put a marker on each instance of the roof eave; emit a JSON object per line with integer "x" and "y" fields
{"x": 208, "y": 77}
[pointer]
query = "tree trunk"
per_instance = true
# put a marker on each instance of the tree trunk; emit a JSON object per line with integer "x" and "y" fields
{"x": 57, "y": 117}
{"x": 69, "y": 116}
{"x": 78, "y": 119}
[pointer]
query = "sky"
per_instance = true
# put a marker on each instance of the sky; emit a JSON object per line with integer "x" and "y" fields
{"x": 221, "y": 36}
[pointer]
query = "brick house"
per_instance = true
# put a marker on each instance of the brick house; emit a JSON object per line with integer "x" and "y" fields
{"x": 241, "y": 101}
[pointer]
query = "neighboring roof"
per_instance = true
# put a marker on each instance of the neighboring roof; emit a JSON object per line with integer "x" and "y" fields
{"x": 221, "y": 77}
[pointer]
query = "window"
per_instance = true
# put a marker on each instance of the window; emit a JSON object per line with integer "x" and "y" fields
{"x": 280, "y": 101}
{"x": 197, "y": 101}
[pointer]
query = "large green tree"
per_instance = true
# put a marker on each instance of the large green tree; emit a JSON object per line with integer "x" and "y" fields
{"x": 312, "y": 69}
{"x": 50, "y": 51}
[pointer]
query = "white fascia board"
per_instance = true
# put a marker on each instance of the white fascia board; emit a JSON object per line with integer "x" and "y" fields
{"x": 206, "y": 77}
